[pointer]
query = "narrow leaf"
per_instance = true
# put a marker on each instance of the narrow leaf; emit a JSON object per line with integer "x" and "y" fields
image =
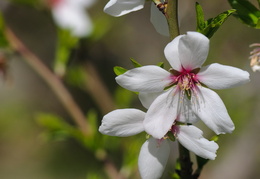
{"x": 160, "y": 64}
{"x": 200, "y": 17}
{"x": 119, "y": 70}
{"x": 135, "y": 63}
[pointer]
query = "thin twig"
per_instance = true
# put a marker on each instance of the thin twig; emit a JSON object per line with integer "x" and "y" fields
{"x": 52, "y": 80}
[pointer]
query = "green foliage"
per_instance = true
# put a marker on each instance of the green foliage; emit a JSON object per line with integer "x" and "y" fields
{"x": 66, "y": 42}
{"x": 76, "y": 76}
{"x": 123, "y": 97}
{"x": 246, "y": 12}
{"x": 160, "y": 64}
{"x": 26, "y": 2}
{"x": 58, "y": 129}
{"x": 176, "y": 174}
{"x": 119, "y": 70}
{"x": 135, "y": 63}
{"x": 210, "y": 26}
{"x": 3, "y": 40}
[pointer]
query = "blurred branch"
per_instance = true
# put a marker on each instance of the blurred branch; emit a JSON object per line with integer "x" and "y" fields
{"x": 52, "y": 80}
{"x": 98, "y": 90}
{"x": 112, "y": 171}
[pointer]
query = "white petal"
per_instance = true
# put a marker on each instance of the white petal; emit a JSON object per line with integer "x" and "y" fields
{"x": 186, "y": 114}
{"x": 153, "y": 158}
{"x": 159, "y": 21}
{"x": 149, "y": 78}
{"x": 162, "y": 113}
{"x": 191, "y": 138}
{"x": 79, "y": 3}
{"x": 193, "y": 50}
{"x": 122, "y": 122}
{"x": 171, "y": 52}
{"x": 148, "y": 98}
{"x": 73, "y": 18}
{"x": 208, "y": 106}
{"x": 218, "y": 76}
{"x": 121, "y": 7}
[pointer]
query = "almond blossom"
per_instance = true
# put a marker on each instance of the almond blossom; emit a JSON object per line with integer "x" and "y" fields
{"x": 154, "y": 153}
{"x": 71, "y": 15}
{"x": 118, "y": 8}
{"x": 183, "y": 92}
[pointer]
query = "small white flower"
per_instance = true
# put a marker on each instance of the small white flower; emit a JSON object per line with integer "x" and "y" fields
{"x": 154, "y": 153}
{"x": 121, "y": 7}
{"x": 186, "y": 98}
{"x": 72, "y": 15}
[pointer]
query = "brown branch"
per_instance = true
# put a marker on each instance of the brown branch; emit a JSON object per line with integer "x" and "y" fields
{"x": 98, "y": 90}
{"x": 51, "y": 79}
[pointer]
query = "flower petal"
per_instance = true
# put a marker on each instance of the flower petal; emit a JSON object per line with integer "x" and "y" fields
{"x": 208, "y": 106}
{"x": 121, "y": 7}
{"x": 193, "y": 50}
{"x": 171, "y": 52}
{"x": 148, "y": 98}
{"x": 162, "y": 113}
{"x": 73, "y": 18}
{"x": 159, "y": 21}
{"x": 153, "y": 158}
{"x": 149, "y": 78}
{"x": 219, "y": 76}
{"x": 122, "y": 122}
{"x": 191, "y": 138}
{"x": 186, "y": 114}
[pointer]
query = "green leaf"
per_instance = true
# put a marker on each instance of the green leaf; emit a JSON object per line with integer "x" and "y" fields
{"x": 119, "y": 70}
{"x": 76, "y": 76}
{"x": 215, "y": 138}
{"x": 246, "y": 12}
{"x": 176, "y": 174}
{"x": 160, "y": 64}
{"x": 135, "y": 63}
{"x": 57, "y": 128}
{"x": 210, "y": 26}
{"x": 200, "y": 17}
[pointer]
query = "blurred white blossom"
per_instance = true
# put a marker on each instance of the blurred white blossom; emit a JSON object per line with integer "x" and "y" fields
{"x": 72, "y": 15}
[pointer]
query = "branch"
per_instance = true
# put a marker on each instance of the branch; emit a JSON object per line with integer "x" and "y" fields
{"x": 52, "y": 80}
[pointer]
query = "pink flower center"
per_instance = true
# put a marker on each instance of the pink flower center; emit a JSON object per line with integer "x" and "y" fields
{"x": 185, "y": 79}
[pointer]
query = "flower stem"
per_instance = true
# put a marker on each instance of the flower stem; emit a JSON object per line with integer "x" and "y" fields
{"x": 185, "y": 162}
{"x": 171, "y": 15}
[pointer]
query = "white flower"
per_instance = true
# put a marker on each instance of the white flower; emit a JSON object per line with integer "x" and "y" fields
{"x": 121, "y": 7}
{"x": 186, "y": 98}
{"x": 71, "y": 15}
{"x": 155, "y": 152}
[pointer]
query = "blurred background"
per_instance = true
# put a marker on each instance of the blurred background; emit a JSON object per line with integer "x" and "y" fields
{"x": 33, "y": 149}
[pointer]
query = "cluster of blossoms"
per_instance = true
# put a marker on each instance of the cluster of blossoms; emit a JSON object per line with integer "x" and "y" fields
{"x": 71, "y": 15}
{"x": 175, "y": 100}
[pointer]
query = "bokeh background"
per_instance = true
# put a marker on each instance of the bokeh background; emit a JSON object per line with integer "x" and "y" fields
{"x": 28, "y": 152}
